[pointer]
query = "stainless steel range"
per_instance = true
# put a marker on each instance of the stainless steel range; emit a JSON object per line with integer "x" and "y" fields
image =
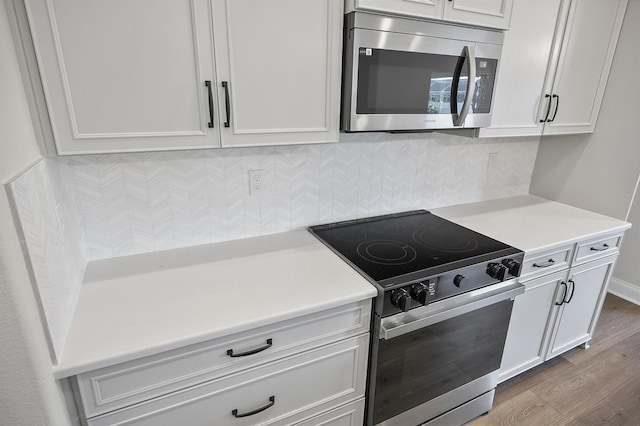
{"x": 445, "y": 295}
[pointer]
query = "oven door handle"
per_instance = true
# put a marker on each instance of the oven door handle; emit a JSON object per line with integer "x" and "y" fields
{"x": 403, "y": 323}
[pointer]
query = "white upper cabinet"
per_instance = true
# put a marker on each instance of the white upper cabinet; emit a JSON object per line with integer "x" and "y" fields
{"x": 125, "y": 76}
{"x": 485, "y": 13}
{"x": 554, "y": 67}
{"x": 280, "y": 64}
{"x": 586, "y": 55}
{"x": 419, "y": 8}
{"x": 134, "y": 76}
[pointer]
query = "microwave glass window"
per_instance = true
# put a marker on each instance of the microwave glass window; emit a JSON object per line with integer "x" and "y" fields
{"x": 397, "y": 82}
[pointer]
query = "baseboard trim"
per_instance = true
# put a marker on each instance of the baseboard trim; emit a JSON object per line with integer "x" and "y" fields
{"x": 624, "y": 290}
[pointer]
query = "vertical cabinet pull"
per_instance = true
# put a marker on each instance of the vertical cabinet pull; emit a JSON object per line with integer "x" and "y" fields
{"x": 564, "y": 295}
{"x": 573, "y": 290}
{"x": 546, "y": 116}
{"x": 227, "y": 103}
{"x": 555, "y": 112}
{"x": 272, "y": 401}
{"x": 210, "y": 93}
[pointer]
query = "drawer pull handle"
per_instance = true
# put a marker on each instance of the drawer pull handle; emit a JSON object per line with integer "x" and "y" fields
{"x": 548, "y": 263}
{"x": 252, "y": 351}
{"x": 272, "y": 401}
{"x": 603, "y": 248}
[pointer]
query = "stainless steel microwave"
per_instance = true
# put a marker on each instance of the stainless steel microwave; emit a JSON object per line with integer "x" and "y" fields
{"x": 403, "y": 74}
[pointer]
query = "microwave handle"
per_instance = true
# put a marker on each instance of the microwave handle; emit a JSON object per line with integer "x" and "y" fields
{"x": 469, "y": 53}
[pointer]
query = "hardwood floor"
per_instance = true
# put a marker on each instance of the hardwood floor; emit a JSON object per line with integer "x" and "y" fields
{"x": 597, "y": 386}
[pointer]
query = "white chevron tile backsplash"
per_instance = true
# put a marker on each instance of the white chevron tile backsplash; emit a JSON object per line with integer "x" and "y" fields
{"x": 51, "y": 225}
{"x": 140, "y": 202}
{"x": 79, "y": 208}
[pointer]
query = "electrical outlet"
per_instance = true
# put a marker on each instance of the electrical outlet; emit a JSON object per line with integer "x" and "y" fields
{"x": 256, "y": 182}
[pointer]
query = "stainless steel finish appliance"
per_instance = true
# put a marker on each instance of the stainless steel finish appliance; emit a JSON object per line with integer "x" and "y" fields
{"x": 404, "y": 74}
{"x": 440, "y": 320}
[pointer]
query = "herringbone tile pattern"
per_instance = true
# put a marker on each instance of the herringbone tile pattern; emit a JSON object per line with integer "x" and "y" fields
{"x": 51, "y": 226}
{"x": 134, "y": 203}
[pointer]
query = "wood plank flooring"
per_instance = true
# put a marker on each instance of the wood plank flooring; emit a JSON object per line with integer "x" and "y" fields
{"x": 597, "y": 386}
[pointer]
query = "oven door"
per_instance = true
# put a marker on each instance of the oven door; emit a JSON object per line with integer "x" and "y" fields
{"x": 436, "y": 360}
{"x": 396, "y": 81}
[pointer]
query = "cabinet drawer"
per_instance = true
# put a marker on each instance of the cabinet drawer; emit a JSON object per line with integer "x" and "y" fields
{"x": 282, "y": 392}
{"x": 545, "y": 262}
{"x": 348, "y": 415}
{"x": 131, "y": 382}
{"x": 596, "y": 248}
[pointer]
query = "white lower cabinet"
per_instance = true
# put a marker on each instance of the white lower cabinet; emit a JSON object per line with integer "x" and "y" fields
{"x": 278, "y": 393}
{"x": 578, "y": 316}
{"x": 528, "y": 333}
{"x": 559, "y": 310}
{"x": 348, "y": 415}
{"x": 306, "y": 370}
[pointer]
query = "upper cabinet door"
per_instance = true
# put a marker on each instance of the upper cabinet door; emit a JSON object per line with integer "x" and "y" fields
{"x": 418, "y": 8}
{"x": 524, "y": 68}
{"x": 278, "y": 66}
{"x": 586, "y": 55}
{"x": 125, "y": 76}
{"x": 486, "y": 13}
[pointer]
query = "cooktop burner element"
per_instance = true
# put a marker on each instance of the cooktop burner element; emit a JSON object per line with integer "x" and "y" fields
{"x": 387, "y": 252}
{"x": 398, "y": 248}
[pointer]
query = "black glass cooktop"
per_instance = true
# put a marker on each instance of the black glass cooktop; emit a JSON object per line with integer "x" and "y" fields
{"x": 388, "y": 248}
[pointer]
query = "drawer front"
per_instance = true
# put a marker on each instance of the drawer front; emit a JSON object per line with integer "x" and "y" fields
{"x": 282, "y": 392}
{"x": 596, "y": 248}
{"x": 348, "y": 415}
{"x": 128, "y": 383}
{"x": 546, "y": 262}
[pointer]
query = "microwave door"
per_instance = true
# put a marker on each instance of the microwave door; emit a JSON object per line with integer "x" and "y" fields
{"x": 467, "y": 56}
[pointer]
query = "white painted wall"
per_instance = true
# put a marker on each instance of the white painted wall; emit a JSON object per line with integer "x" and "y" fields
{"x": 28, "y": 394}
{"x": 599, "y": 171}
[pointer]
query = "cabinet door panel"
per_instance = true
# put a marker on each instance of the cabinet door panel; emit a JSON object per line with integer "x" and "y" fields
{"x": 578, "y": 317}
{"x": 282, "y": 61}
{"x": 590, "y": 39}
{"x": 488, "y": 13}
{"x": 418, "y": 8}
{"x": 125, "y": 76}
{"x": 523, "y": 70}
{"x": 532, "y": 312}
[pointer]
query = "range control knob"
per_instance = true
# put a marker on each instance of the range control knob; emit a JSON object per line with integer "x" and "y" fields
{"x": 457, "y": 280}
{"x": 513, "y": 266}
{"x": 401, "y": 299}
{"x": 497, "y": 271}
{"x": 420, "y": 293}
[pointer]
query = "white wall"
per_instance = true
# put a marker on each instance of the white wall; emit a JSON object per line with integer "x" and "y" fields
{"x": 28, "y": 394}
{"x": 599, "y": 171}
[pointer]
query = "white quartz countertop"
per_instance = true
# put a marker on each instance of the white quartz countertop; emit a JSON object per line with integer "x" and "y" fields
{"x": 145, "y": 304}
{"x": 141, "y": 305}
{"x": 531, "y": 223}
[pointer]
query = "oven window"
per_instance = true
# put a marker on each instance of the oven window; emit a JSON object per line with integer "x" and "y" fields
{"x": 396, "y": 82}
{"x": 421, "y": 365}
